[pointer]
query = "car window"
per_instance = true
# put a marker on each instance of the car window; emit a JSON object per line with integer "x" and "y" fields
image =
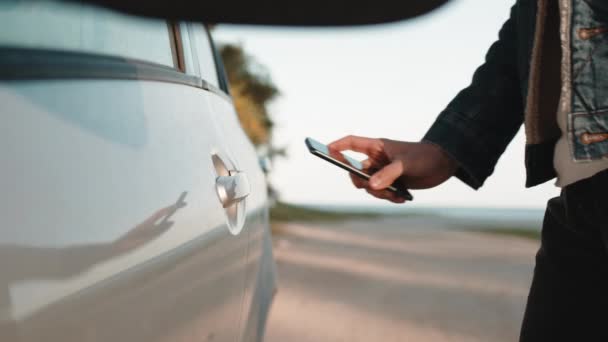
{"x": 79, "y": 28}
{"x": 204, "y": 54}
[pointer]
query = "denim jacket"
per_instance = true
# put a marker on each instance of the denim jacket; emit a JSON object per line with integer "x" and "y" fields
{"x": 517, "y": 84}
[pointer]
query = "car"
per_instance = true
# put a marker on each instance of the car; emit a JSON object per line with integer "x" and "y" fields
{"x": 133, "y": 205}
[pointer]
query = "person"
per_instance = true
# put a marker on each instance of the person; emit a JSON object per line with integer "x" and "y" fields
{"x": 549, "y": 69}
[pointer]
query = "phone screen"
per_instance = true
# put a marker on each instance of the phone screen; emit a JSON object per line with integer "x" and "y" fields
{"x": 334, "y": 154}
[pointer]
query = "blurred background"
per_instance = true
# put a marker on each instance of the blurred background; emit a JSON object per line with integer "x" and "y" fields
{"x": 455, "y": 264}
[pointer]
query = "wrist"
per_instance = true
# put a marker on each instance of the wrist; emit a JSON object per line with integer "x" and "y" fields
{"x": 447, "y": 161}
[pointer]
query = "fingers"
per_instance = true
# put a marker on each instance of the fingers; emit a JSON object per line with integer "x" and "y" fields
{"x": 357, "y": 144}
{"x": 387, "y": 175}
{"x": 382, "y": 194}
{"x": 358, "y": 182}
{"x": 367, "y": 163}
{"x": 386, "y": 195}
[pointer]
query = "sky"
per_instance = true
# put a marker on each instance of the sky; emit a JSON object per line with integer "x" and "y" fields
{"x": 386, "y": 81}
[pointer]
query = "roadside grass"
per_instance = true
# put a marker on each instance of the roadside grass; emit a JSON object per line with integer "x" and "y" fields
{"x": 283, "y": 212}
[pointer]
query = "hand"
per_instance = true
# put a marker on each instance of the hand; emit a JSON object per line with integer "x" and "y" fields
{"x": 413, "y": 165}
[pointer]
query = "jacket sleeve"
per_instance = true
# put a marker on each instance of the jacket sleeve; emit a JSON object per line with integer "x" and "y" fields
{"x": 479, "y": 123}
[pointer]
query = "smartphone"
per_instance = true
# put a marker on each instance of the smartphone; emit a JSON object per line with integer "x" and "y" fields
{"x": 349, "y": 164}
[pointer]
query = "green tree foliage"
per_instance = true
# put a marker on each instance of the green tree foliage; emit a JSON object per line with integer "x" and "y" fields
{"x": 252, "y": 90}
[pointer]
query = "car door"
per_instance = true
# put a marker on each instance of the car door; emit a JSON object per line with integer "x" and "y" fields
{"x": 112, "y": 227}
{"x": 260, "y": 283}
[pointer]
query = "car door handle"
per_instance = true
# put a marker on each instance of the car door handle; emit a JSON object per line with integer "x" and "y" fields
{"x": 233, "y": 188}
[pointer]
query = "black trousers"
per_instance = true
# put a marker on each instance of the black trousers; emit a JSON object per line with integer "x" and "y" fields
{"x": 568, "y": 299}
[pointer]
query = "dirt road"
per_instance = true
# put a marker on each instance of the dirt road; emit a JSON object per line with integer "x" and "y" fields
{"x": 398, "y": 280}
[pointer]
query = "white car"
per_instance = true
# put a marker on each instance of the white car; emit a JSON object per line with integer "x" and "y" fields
{"x": 133, "y": 206}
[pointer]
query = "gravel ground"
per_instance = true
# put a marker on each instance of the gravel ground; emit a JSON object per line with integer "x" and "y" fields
{"x": 407, "y": 279}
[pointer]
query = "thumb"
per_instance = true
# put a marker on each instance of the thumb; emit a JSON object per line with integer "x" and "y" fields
{"x": 387, "y": 175}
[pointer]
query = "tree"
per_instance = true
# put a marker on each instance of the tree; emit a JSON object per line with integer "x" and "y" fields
{"x": 252, "y": 91}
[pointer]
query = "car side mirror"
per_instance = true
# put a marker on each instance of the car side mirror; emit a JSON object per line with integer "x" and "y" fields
{"x": 265, "y": 164}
